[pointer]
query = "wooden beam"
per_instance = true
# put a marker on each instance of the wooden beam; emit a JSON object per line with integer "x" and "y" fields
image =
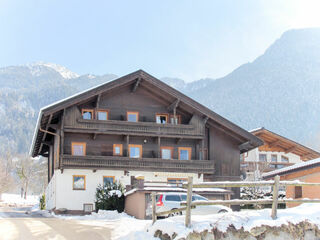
{"x": 306, "y": 156}
{"x": 94, "y": 136}
{"x": 128, "y": 140}
{"x": 48, "y": 143}
{"x": 45, "y": 134}
{"x": 98, "y": 101}
{"x": 136, "y": 85}
{"x": 159, "y": 147}
{"x": 174, "y": 105}
{"x": 205, "y": 120}
{"x": 53, "y": 126}
{"x": 288, "y": 150}
{"x": 273, "y": 144}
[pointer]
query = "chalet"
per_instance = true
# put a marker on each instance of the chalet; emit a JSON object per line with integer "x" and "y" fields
{"x": 305, "y": 172}
{"x": 134, "y": 125}
{"x": 276, "y": 152}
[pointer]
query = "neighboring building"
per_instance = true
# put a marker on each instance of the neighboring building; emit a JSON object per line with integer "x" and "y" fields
{"x": 277, "y": 152}
{"x": 305, "y": 172}
{"x": 133, "y": 126}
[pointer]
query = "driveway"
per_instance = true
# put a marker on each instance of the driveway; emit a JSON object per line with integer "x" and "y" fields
{"x": 15, "y": 223}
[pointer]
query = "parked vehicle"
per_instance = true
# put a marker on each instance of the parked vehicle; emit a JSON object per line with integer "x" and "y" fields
{"x": 171, "y": 200}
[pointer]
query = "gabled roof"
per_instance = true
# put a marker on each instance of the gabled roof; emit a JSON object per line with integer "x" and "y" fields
{"x": 52, "y": 111}
{"x": 276, "y": 143}
{"x": 294, "y": 168}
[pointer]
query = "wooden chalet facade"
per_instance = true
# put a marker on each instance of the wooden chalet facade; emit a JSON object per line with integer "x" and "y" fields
{"x": 134, "y": 125}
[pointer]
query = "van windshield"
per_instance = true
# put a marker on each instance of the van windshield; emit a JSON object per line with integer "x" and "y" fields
{"x": 184, "y": 197}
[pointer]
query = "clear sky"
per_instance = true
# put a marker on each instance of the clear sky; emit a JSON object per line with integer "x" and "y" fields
{"x": 175, "y": 38}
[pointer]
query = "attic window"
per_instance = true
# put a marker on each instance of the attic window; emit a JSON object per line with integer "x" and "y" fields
{"x": 87, "y": 114}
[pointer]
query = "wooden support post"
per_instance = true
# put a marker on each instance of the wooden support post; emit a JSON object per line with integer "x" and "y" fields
{"x": 189, "y": 201}
{"x": 275, "y": 197}
{"x": 154, "y": 206}
{"x": 128, "y": 145}
{"x": 159, "y": 147}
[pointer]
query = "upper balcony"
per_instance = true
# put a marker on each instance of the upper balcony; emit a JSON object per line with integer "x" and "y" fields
{"x": 142, "y": 164}
{"x": 136, "y": 128}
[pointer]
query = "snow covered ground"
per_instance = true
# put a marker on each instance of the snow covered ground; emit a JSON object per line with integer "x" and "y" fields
{"x": 16, "y": 199}
{"x": 126, "y": 227}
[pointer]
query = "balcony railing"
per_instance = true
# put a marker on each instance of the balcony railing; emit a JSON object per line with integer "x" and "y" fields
{"x": 137, "y": 128}
{"x": 143, "y": 164}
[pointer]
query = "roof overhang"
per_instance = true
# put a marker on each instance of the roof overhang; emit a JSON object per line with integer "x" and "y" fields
{"x": 247, "y": 141}
{"x": 276, "y": 143}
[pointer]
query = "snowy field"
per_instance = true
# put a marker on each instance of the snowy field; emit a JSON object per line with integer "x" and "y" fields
{"x": 16, "y": 199}
{"x": 126, "y": 227}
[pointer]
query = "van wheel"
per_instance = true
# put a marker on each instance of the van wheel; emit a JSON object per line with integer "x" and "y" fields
{"x": 174, "y": 214}
{"x": 223, "y": 211}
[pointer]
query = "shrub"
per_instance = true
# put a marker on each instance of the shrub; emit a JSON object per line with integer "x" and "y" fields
{"x": 110, "y": 197}
{"x": 43, "y": 202}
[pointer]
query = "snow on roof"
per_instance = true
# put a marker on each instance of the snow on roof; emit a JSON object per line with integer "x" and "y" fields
{"x": 291, "y": 168}
{"x": 256, "y": 129}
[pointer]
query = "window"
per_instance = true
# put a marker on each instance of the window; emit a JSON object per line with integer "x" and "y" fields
{"x": 117, "y": 149}
{"x": 166, "y": 152}
{"x": 262, "y": 157}
{"x": 298, "y": 192}
{"x": 162, "y": 118}
{"x": 102, "y": 114}
{"x": 284, "y": 159}
{"x": 108, "y": 179}
{"x": 184, "y": 153}
{"x": 79, "y": 182}
{"x": 135, "y": 151}
{"x": 78, "y": 148}
{"x": 176, "y": 181}
{"x": 87, "y": 113}
{"x": 174, "y": 198}
{"x": 177, "y": 121}
{"x": 198, "y": 198}
{"x": 132, "y": 116}
{"x": 274, "y": 158}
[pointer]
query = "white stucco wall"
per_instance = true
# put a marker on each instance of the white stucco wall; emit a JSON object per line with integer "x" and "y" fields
{"x": 253, "y": 156}
{"x": 51, "y": 193}
{"x": 66, "y": 197}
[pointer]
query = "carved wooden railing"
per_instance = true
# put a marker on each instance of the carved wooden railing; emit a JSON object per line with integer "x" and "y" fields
{"x": 138, "y": 128}
{"x": 146, "y": 164}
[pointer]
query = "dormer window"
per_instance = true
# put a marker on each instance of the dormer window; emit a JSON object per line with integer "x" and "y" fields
{"x": 87, "y": 114}
{"x": 162, "y": 118}
{"x": 132, "y": 116}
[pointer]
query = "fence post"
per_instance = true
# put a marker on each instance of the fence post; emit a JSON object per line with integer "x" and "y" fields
{"x": 189, "y": 201}
{"x": 275, "y": 197}
{"x": 154, "y": 206}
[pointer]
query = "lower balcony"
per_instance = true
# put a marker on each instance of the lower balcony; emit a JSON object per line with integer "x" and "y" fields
{"x": 142, "y": 164}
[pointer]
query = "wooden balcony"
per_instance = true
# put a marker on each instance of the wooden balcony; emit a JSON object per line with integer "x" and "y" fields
{"x": 264, "y": 166}
{"x": 136, "y": 128}
{"x": 143, "y": 164}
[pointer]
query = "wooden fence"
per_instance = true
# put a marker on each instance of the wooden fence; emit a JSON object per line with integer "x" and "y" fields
{"x": 188, "y": 205}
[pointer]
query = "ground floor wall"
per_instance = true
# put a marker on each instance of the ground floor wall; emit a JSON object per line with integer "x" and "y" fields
{"x": 64, "y": 196}
{"x": 310, "y": 192}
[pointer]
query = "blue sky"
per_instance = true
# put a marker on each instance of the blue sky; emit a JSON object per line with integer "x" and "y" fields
{"x": 185, "y": 39}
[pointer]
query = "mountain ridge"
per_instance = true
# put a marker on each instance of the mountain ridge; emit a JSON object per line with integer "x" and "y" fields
{"x": 279, "y": 90}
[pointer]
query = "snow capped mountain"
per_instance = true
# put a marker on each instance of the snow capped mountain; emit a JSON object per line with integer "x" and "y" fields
{"x": 35, "y": 69}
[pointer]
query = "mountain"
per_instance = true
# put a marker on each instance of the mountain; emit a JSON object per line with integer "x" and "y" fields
{"x": 280, "y": 90}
